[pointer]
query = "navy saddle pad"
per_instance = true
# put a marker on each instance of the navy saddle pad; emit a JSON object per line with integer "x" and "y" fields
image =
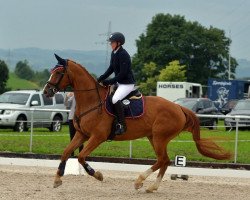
{"x": 134, "y": 109}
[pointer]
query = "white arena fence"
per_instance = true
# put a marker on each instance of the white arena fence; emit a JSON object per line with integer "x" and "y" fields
{"x": 32, "y": 111}
{"x": 236, "y": 117}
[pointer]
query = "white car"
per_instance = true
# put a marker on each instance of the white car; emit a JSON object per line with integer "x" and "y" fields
{"x": 20, "y": 120}
{"x": 242, "y": 108}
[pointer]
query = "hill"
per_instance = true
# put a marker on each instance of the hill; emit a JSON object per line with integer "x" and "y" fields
{"x": 94, "y": 61}
{"x": 242, "y": 71}
{"x": 40, "y": 59}
{"x": 15, "y": 83}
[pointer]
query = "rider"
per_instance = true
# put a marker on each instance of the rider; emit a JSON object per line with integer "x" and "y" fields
{"x": 120, "y": 64}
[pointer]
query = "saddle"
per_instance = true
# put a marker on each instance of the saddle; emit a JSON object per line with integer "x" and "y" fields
{"x": 133, "y": 104}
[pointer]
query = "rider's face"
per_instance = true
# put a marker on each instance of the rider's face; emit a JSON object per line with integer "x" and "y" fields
{"x": 113, "y": 45}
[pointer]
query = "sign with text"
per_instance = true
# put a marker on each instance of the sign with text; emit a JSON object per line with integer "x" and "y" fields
{"x": 180, "y": 161}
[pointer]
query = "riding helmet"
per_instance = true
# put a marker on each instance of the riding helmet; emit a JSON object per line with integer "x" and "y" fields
{"x": 117, "y": 37}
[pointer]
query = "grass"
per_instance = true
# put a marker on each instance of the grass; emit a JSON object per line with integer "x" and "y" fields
{"x": 15, "y": 83}
{"x": 45, "y": 142}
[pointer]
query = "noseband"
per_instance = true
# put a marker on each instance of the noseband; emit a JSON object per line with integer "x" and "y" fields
{"x": 55, "y": 86}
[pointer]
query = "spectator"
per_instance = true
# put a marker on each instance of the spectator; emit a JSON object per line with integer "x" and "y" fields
{"x": 70, "y": 104}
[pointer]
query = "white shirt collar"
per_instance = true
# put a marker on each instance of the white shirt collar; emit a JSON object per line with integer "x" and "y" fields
{"x": 117, "y": 49}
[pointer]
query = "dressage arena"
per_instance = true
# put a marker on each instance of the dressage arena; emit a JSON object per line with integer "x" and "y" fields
{"x": 33, "y": 179}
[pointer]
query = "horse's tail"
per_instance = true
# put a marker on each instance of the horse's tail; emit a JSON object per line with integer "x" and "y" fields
{"x": 207, "y": 146}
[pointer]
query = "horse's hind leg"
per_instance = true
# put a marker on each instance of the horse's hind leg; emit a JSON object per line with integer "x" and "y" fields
{"x": 144, "y": 175}
{"x": 163, "y": 161}
{"x": 75, "y": 143}
{"x": 139, "y": 181}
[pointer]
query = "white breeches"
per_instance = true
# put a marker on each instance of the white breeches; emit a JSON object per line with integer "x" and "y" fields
{"x": 122, "y": 91}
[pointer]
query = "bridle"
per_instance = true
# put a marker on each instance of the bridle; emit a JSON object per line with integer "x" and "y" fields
{"x": 55, "y": 88}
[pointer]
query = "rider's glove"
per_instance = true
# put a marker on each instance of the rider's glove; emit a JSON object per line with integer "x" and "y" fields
{"x": 106, "y": 82}
{"x": 100, "y": 79}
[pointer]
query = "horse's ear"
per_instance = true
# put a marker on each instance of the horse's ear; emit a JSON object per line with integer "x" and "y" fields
{"x": 60, "y": 60}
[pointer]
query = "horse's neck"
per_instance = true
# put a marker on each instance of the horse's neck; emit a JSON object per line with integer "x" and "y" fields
{"x": 86, "y": 92}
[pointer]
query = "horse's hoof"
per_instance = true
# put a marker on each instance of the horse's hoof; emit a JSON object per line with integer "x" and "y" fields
{"x": 138, "y": 186}
{"x": 151, "y": 189}
{"x": 57, "y": 183}
{"x": 98, "y": 176}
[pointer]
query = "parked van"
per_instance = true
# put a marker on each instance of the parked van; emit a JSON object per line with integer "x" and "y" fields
{"x": 20, "y": 120}
{"x": 175, "y": 90}
{"x": 221, "y": 91}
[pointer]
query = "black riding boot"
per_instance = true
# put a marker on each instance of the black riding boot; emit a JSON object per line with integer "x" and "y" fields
{"x": 121, "y": 125}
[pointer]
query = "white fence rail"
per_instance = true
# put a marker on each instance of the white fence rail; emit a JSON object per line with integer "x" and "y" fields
{"x": 237, "y": 119}
{"x": 32, "y": 110}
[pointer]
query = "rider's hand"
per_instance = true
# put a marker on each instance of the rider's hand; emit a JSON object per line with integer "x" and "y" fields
{"x": 100, "y": 83}
{"x": 100, "y": 79}
{"x": 106, "y": 82}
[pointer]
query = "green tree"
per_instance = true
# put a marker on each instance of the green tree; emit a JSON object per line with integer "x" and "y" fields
{"x": 41, "y": 77}
{"x": 24, "y": 71}
{"x": 148, "y": 87}
{"x": 203, "y": 50}
{"x": 173, "y": 72}
{"x": 4, "y": 71}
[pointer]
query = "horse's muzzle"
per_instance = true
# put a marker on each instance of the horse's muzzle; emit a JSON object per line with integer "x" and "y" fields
{"x": 49, "y": 92}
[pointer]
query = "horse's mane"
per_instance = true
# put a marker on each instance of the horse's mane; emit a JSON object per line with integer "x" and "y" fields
{"x": 84, "y": 69}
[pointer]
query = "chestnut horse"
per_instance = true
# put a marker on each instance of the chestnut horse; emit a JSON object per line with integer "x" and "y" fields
{"x": 161, "y": 122}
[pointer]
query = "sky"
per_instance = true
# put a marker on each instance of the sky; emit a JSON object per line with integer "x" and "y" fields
{"x": 84, "y": 24}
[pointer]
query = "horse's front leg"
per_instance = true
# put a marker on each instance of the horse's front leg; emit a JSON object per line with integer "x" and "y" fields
{"x": 75, "y": 143}
{"x": 93, "y": 142}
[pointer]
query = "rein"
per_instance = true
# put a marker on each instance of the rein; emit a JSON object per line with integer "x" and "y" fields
{"x": 57, "y": 89}
{"x": 99, "y": 106}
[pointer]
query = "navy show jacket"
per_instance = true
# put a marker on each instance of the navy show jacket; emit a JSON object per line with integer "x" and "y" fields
{"x": 120, "y": 64}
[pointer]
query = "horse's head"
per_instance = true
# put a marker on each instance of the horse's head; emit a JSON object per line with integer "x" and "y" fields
{"x": 57, "y": 81}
